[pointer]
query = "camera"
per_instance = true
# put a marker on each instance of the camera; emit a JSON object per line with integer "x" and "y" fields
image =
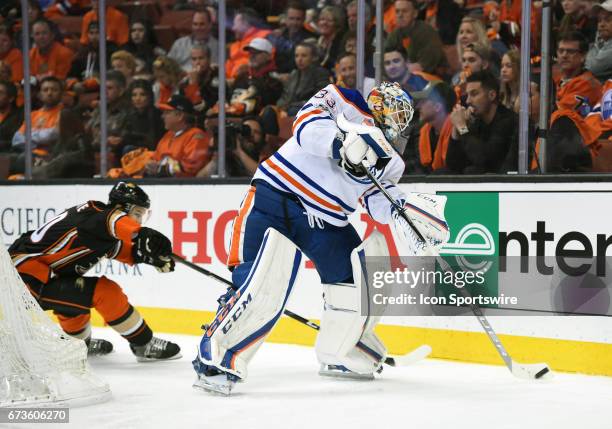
{"x": 232, "y": 131}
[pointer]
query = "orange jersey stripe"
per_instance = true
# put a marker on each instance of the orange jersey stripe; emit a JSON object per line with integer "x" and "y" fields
{"x": 304, "y": 116}
{"x": 301, "y": 187}
{"x": 245, "y": 348}
{"x": 234, "y": 256}
{"x": 59, "y": 240}
{"x": 69, "y": 304}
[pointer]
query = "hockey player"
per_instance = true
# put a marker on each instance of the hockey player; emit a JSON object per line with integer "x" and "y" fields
{"x": 53, "y": 260}
{"x": 300, "y": 200}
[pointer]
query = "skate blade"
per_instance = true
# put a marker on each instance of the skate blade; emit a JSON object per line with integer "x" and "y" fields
{"x": 146, "y": 359}
{"x": 218, "y": 384}
{"x": 346, "y": 375}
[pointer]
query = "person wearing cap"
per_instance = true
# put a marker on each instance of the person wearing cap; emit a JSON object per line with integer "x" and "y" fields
{"x": 183, "y": 150}
{"x": 201, "y": 27}
{"x": 600, "y": 120}
{"x": 256, "y": 87}
{"x": 435, "y": 103}
{"x": 484, "y": 135}
{"x": 599, "y": 57}
{"x": 245, "y": 29}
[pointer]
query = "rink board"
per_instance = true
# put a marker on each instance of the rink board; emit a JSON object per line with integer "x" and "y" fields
{"x": 198, "y": 220}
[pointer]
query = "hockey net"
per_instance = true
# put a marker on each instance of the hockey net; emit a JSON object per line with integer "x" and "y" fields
{"x": 39, "y": 363}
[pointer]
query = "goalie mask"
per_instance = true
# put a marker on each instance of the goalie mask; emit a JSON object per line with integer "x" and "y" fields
{"x": 392, "y": 110}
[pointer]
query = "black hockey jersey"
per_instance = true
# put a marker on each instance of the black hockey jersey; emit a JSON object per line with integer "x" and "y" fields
{"x": 73, "y": 242}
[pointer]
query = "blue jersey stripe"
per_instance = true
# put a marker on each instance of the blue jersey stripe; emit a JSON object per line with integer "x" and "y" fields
{"x": 340, "y": 216}
{"x": 303, "y": 124}
{"x": 312, "y": 182}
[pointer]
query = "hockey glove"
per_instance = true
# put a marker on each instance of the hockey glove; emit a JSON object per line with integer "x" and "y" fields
{"x": 426, "y": 212}
{"x": 153, "y": 248}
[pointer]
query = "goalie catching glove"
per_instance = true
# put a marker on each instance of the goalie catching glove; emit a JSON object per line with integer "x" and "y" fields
{"x": 426, "y": 211}
{"x": 362, "y": 144}
{"x": 153, "y": 248}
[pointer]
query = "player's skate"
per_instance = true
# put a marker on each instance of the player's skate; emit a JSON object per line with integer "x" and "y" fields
{"x": 155, "y": 350}
{"x": 98, "y": 347}
{"x": 340, "y": 371}
{"x": 212, "y": 379}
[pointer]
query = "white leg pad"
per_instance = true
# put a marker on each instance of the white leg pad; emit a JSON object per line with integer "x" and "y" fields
{"x": 242, "y": 325}
{"x": 344, "y": 324}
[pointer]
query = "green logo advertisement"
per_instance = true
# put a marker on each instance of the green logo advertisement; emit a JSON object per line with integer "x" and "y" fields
{"x": 473, "y": 218}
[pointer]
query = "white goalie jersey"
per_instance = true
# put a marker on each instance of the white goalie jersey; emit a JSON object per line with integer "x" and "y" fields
{"x": 307, "y": 164}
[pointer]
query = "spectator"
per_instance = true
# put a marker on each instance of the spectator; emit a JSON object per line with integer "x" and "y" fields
{"x": 510, "y": 75}
{"x": 600, "y": 120}
{"x": 484, "y": 134}
{"x": 86, "y": 66}
{"x": 245, "y": 28}
{"x": 331, "y": 31}
{"x": 72, "y": 155}
{"x": 11, "y": 117}
{"x": 117, "y": 28}
{"x": 397, "y": 69}
{"x": 201, "y": 26}
{"x": 125, "y": 63}
{"x": 576, "y": 87}
{"x": 435, "y": 103}
{"x": 476, "y": 57}
{"x": 444, "y": 16}
{"x": 10, "y": 54}
{"x": 577, "y": 91}
{"x": 257, "y": 88}
{"x": 45, "y": 121}
{"x": 143, "y": 45}
{"x": 508, "y": 32}
{"x": 346, "y": 72}
{"x": 144, "y": 124}
{"x": 168, "y": 75}
{"x": 244, "y": 150}
{"x": 421, "y": 42}
{"x": 201, "y": 85}
{"x": 48, "y": 57}
{"x": 575, "y": 19}
{"x": 599, "y": 57}
{"x": 117, "y": 110}
{"x": 286, "y": 39}
{"x": 471, "y": 31}
{"x": 307, "y": 78}
{"x": 183, "y": 150}
{"x": 351, "y": 17}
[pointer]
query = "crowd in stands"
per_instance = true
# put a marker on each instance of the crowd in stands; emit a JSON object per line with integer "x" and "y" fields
{"x": 459, "y": 60}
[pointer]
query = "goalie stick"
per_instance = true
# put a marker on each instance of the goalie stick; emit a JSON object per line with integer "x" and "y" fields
{"x": 409, "y": 358}
{"x": 528, "y": 371}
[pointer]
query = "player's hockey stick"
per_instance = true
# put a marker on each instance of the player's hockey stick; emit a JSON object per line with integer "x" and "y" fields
{"x": 409, "y": 358}
{"x": 529, "y": 371}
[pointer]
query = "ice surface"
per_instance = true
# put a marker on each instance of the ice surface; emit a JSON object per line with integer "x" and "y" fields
{"x": 284, "y": 391}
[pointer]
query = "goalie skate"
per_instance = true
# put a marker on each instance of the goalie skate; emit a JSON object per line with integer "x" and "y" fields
{"x": 213, "y": 380}
{"x": 339, "y": 371}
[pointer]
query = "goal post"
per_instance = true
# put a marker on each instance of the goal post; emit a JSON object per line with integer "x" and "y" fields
{"x": 39, "y": 363}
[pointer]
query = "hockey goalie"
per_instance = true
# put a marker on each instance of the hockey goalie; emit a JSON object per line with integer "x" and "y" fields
{"x": 299, "y": 202}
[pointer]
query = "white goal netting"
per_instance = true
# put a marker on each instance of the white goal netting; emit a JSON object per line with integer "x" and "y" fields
{"x": 39, "y": 363}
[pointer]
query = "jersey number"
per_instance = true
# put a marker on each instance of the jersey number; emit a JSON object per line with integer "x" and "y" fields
{"x": 40, "y": 232}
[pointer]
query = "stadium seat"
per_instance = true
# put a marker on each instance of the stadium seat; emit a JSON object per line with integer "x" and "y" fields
{"x": 144, "y": 9}
{"x": 285, "y": 124}
{"x": 166, "y": 35}
{"x": 4, "y": 166}
{"x": 69, "y": 24}
{"x": 180, "y": 20}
